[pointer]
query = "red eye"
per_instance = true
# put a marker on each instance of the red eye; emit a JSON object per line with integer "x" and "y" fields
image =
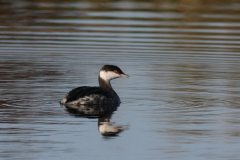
{"x": 116, "y": 71}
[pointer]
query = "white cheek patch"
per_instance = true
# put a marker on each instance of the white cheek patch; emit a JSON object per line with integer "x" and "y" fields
{"x": 108, "y": 75}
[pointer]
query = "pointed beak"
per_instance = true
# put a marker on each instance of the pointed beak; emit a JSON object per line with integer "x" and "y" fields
{"x": 125, "y": 76}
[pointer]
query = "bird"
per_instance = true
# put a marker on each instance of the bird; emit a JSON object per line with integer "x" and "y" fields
{"x": 99, "y": 95}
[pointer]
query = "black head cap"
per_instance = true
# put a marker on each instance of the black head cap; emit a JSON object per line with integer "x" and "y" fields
{"x": 112, "y": 68}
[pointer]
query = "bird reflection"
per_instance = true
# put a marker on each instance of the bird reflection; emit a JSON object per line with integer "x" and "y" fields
{"x": 102, "y": 112}
{"x": 107, "y": 128}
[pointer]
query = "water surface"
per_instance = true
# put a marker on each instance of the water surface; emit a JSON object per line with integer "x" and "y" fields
{"x": 183, "y": 99}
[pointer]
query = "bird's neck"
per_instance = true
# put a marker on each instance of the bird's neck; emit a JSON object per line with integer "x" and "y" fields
{"x": 105, "y": 84}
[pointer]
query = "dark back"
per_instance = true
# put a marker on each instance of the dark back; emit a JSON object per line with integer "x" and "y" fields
{"x": 81, "y": 92}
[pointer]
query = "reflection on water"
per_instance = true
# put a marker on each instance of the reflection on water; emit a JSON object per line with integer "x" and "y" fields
{"x": 182, "y": 103}
{"x": 102, "y": 112}
{"x": 107, "y": 128}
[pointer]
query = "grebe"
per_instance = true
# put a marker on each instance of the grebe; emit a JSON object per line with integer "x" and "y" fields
{"x": 104, "y": 94}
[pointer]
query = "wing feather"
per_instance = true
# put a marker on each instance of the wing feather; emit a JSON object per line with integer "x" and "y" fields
{"x": 81, "y": 92}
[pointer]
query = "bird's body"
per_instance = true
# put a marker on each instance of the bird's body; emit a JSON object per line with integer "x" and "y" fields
{"x": 90, "y": 95}
{"x": 104, "y": 94}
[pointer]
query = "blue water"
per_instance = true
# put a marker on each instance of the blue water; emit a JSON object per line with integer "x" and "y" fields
{"x": 183, "y": 101}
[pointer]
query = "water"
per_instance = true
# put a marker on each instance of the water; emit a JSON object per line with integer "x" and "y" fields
{"x": 182, "y": 103}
